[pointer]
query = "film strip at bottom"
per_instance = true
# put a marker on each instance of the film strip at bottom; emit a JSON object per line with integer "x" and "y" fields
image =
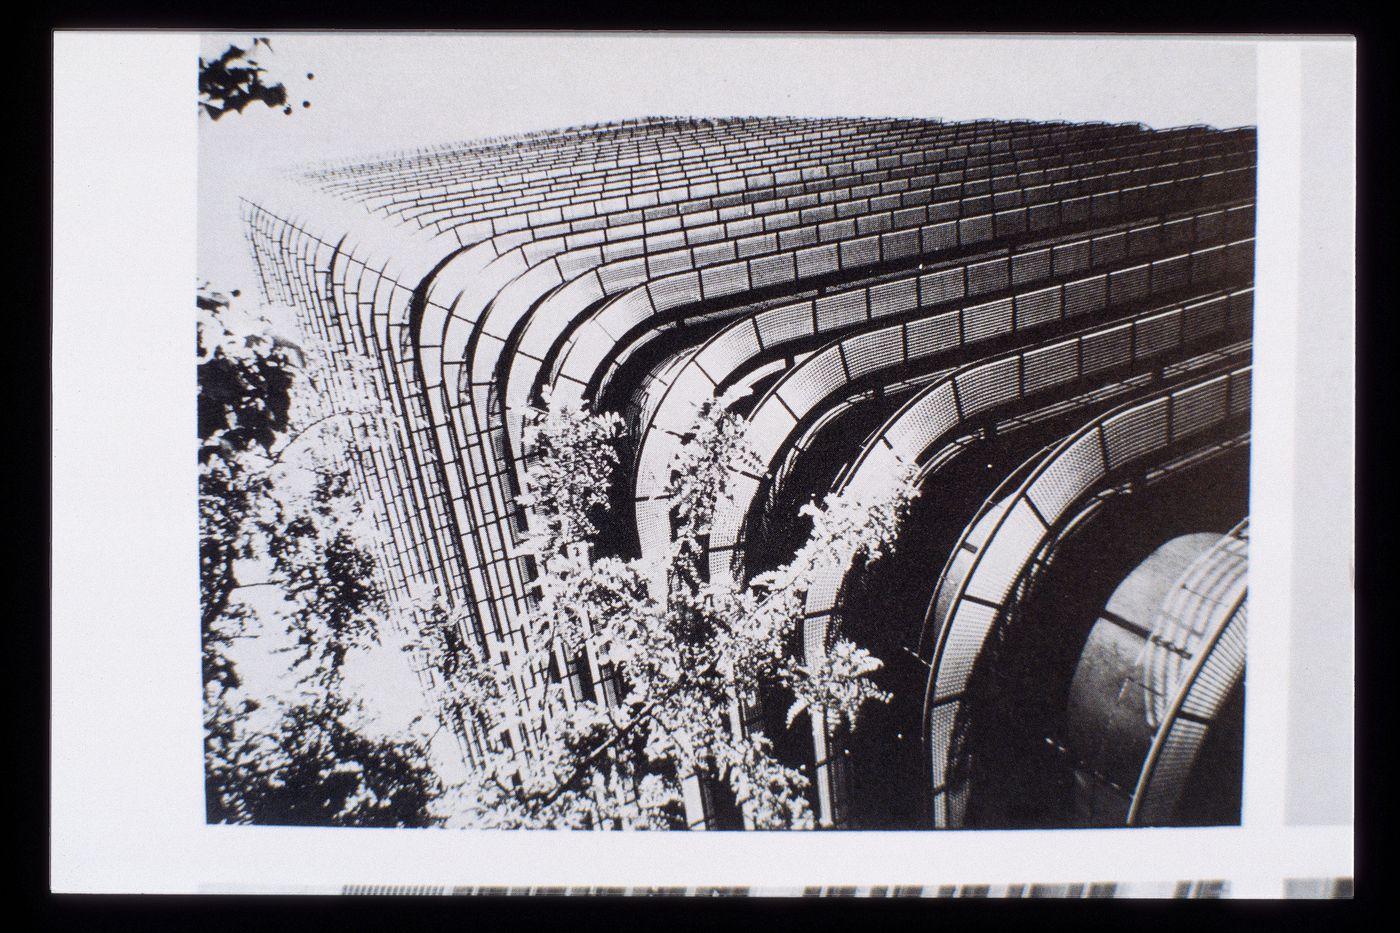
{"x": 1306, "y": 888}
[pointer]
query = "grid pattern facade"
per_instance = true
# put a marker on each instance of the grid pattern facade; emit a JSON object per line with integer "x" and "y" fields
{"x": 974, "y": 276}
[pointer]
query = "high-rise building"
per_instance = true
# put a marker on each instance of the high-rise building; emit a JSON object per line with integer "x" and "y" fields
{"x": 1052, "y": 322}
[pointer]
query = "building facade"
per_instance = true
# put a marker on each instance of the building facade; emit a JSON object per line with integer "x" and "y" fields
{"x": 1052, "y": 322}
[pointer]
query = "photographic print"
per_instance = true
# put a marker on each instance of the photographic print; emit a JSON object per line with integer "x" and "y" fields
{"x": 850, "y": 443}
{"x": 732, "y": 472}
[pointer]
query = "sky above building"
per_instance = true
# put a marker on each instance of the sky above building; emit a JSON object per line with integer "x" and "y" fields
{"x": 382, "y": 93}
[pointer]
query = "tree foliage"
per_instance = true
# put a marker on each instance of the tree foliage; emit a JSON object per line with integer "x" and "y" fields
{"x": 234, "y": 81}
{"x": 312, "y": 767}
{"x": 632, "y": 682}
{"x": 685, "y": 654}
{"x": 285, "y": 544}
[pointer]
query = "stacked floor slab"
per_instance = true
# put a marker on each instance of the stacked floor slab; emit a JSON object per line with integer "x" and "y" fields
{"x": 1070, "y": 303}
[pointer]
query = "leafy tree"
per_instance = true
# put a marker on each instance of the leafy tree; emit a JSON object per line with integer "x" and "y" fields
{"x": 687, "y": 653}
{"x": 675, "y": 658}
{"x": 314, "y": 769}
{"x": 233, "y": 81}
{"x": 284, "y": 541}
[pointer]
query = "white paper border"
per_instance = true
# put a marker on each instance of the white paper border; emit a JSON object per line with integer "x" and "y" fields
{"x": 127, "y": 804}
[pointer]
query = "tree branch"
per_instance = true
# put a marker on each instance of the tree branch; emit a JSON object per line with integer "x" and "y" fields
{"x": 306, "y": 429}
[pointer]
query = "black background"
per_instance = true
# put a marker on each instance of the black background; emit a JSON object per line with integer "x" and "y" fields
{"x": 31, "y": 101}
